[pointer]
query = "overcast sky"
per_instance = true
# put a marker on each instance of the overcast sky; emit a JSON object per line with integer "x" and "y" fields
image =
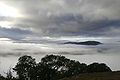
{"x": 40, "y": 26}
{"x": 20, "y": 19}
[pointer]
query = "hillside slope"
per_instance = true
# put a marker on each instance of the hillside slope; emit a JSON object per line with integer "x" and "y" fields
{"x": 96, "y": 76}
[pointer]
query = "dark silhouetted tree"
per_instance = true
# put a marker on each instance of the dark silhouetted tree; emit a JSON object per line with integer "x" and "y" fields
{"x": 54, "y": 67}
{"x": 2, "y": 78}
{"x": 75, "y": 68}
{"x": 44, "y": 72}
{"x": 96, "y": 67}
{"x": 58, "y": 63}
{"x": 55, "y": 62}
{"x": 24, "y": 66}
{"x": 9, "y": 75}
{"x": 64, "y": 67}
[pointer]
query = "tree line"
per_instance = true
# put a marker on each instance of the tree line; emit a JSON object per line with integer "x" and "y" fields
{"x": 52, "y": 67}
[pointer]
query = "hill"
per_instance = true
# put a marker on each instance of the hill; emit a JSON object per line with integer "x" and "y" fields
{"x": 84, "y": 43}
{"x": 96, "y": 76}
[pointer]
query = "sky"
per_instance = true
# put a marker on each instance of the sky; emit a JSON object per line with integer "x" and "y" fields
{"x": 40, "y": 27}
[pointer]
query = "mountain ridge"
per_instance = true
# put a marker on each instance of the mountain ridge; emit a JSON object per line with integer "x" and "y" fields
{"x": 84, "y": 43}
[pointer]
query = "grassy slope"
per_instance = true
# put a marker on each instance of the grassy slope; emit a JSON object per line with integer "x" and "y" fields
{"x": 96, "y": 76}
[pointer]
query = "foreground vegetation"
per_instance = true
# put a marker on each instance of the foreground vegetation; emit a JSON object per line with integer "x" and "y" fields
{"x": 96, "y": 76}
{"x": 51, "y": 67}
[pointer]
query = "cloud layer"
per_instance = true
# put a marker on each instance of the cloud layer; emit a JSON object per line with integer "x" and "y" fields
{"x": 66, "y": 17}
{"x": 57, "y": 21}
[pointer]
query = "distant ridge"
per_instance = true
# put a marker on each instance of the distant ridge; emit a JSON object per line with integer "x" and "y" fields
{"x": 84, "y": 43}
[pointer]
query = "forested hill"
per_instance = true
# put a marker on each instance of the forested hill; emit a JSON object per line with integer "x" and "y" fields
{"x": 84, "y": 43}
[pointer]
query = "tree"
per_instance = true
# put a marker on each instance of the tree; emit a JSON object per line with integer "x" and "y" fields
{"x": 44, "y": 72}
{"x": 64, "y": 67}
{"x": 9, "y": 75}
{"x": 76, "y": 68}
{"x": 24, "y": 66}
{"x": 2, "y": 78}
{"x": 55, "y": 62}
{"x": 53, "y": 67}
{"x": 96, "y": 67}
{"x": 58, "y": 63}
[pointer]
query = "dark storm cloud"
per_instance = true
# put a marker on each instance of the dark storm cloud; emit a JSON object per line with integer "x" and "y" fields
{"x": 14, "y": 33}
{"x": 75, "y": 25}
{"x": 61, "y": 18}
{"x": 69, "y": 17}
